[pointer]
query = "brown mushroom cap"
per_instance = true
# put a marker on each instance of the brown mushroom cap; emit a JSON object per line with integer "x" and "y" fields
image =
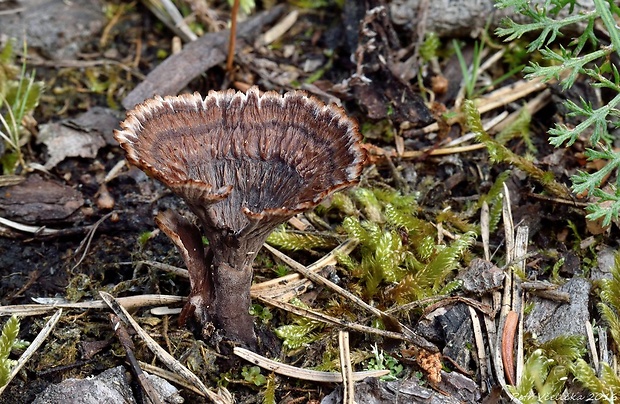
{"x": 266, "y": 155}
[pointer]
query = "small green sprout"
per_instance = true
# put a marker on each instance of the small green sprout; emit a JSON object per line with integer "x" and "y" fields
{"x": 381, "y": 361}
{"x": 252, "y": 375}
{"x": 261, "y": 312}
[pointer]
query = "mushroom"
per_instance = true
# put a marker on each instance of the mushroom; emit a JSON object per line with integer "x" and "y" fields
{"x": 243, "y": 163}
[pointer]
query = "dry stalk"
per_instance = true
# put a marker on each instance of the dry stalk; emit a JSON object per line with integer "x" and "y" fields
{"x": 129, "y": 302}
{"x": 302, "y": 374}
{"x": 161, "y": 354}
{"x": 346, "y": 370}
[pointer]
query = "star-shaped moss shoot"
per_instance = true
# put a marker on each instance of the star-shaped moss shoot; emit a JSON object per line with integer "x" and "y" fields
{"x": 243, "y": 163}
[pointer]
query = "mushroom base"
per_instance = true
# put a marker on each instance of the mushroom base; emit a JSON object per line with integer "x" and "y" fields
{"x": 231, "y": 305}
{"x": 220, "y": 278}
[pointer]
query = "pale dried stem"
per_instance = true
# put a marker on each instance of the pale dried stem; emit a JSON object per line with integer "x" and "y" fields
{"x": 130, "y": 302}
{"x": 161, "y": 353}
{"x": 346, "y": 370}
{"x": 303, "y": 374}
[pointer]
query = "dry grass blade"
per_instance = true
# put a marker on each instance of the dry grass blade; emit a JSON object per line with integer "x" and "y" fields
{"x": 602, "y": 345}
{"x": 322, "y": 281}
{"x": 38, "y": 341}
{"x": 345, "y": 368}
{"x": 168, "y": 14}
{"x": 592, "y": 345}
{"x": 498, "y": 98}
{"x": 390, "y": 321}
{"x": 283, "y": 288}
{"x": 170, "y": 376}
{"x": 508, "y": 94}
{"x": 8, "y": 180}
{"x": 303, "y": 374}
{"x": 279, "y": 29}
{"x": 288, "y": 286}
{"x": 89, "y": 238}
{"x": 480, "y": 347}
{"x": 161, "y": 354}
{"x": 26, "y": 228}
{"x": 128, "y": 302}
{"x": 506, "y": 298}
{"x": 484, "y": 230}
{"x": 521, "y": 243}
{"x": 126, "y": 342}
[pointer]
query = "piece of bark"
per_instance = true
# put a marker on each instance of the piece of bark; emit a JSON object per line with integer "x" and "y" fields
{"x": 64, "y": 141}
{"x": 39, "y": 201}
{"x": 460, "y": 387}
{"x": 374, "y": 391}
{"x": 481, "y": 277}
{"x": 174, "y": 73}
{"x": 549, "y": 319}
{"x": 450, "y": 18}
{"x": 452, "y": 328}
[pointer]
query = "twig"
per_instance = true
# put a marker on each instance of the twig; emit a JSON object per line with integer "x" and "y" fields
{"x": 163, "y": 356}
{"x": 27, "y": 228}
{"x": 129, "y": 302}
{"x": 89, "y": 238}
{"x": 232, "y": 38}
{"x": 348, "y": 383}
{"x": 127, "y": 344}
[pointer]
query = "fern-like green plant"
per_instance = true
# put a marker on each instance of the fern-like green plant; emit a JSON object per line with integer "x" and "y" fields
{"x": 542, "y": 381}
{"x": 610, "y": 300}
{"x": 269, "y": 393}
{"x": 499, "y": 153}
{"x": 493, "y": 198}
{"x": 398, "y": 255}
{"x": 547, "y": 368}
{"x": 8, "y": 339}
{"x": 295, "y": 241}
{"x": 605, "y": 389}
{"x": 302, "y": 332}
{"x": 565, "y": 65}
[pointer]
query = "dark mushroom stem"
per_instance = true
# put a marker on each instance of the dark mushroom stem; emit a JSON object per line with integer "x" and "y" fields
{"x": 243, "y": 163}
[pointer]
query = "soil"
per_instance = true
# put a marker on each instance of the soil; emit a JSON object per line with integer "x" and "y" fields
{"x": 318, "y": 53}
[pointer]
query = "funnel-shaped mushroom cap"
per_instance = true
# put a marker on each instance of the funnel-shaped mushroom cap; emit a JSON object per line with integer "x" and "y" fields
{"x": 243, "y": 159}
{"x": 243, "y": 163}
